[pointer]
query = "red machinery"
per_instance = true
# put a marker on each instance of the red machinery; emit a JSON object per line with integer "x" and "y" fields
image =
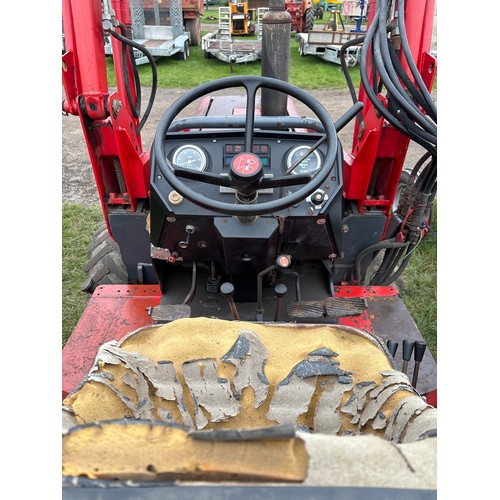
{"x": 270, "y": 206}
{"x": 302, "y": 15}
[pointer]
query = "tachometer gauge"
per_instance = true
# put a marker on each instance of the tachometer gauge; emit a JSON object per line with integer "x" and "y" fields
{"x": 309, "y": 165}
{"x": 190, "y": 156}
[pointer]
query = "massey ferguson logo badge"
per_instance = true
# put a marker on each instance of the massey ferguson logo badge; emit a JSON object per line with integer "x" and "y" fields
{"x": 246, "y": 164}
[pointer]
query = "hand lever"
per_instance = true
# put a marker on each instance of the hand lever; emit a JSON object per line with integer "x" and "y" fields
{"x": 408, "y": 346}
{"x": 227, "y": 290}
{"x": 419, "y": 355}
{"x": 392, "y": 346}
{"x": 279, "y": 291}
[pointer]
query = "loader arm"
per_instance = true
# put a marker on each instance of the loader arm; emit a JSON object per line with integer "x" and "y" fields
{"x": 109, "y": 119}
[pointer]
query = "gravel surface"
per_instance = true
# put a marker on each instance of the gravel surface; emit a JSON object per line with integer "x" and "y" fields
{"x": 78, "y": 184}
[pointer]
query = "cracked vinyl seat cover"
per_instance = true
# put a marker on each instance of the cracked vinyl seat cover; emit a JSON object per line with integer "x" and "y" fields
{"x": 207, "y": 399}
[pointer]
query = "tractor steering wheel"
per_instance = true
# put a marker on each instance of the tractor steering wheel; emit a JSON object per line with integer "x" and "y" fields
{"x": 246, "y": 175}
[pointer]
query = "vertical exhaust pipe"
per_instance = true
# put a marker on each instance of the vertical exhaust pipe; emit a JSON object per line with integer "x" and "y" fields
{"x": 276, "y": 32}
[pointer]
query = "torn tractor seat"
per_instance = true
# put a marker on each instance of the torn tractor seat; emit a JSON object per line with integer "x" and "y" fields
{"x": 236, "y": 386}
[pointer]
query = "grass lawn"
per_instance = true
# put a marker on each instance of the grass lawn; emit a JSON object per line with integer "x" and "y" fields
{"x": 79, "y": 223}
{"x": 306, "y": 72}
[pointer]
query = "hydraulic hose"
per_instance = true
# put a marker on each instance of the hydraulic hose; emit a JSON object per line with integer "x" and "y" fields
{"x": 366, "y": 83}
{"x": 154, "y": 72}
{"x": 384, "y": 276}
{"x": 411, "y": 62}
{"x": 135, "y": 107}
{"x": 411, "y": 111}
{"x": 401, "y": 268}
{"x": 381, "y": 245}
{"x": 389, "y": 78}
{"x": 343, "y": 65}
{"x": 405, "y": 79}
{"x": 350, "y": 85}
{"x": 395, "y": 116}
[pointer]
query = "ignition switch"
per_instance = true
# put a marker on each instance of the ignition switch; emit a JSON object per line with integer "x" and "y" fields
{"x": 318, "y": 197}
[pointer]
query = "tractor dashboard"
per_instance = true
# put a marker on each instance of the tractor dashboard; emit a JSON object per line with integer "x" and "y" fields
{"x": 182, "y": 230}
{"x": 279, "y": 154}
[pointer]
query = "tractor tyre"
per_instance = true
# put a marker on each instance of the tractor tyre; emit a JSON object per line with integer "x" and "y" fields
{"x": 194, "y": 28}
{"x": 308, "y": 20}
{"x": 105, "y": 265}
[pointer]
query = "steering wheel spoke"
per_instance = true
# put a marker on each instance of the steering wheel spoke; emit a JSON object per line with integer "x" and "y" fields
{"x": 251, "y": 88}
{"x": 206, "y": 177}
{"x": 284, "y": 181}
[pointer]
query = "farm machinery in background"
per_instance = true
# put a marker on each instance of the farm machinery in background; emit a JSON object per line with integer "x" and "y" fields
{"x": 334, "y": 43}
{"x": 243, "y": 325}
{"x": 240, "y": 19}
{"x": 159, "y": 40}
{"x": 227, "y": 43}
{"x": 302, "y": 14}
{"x": 158, "y": 12}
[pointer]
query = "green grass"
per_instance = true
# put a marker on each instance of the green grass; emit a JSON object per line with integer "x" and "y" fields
{"x": 420, "y": 286}
{"x": 305, "y": 72}
{"x": 78, "y": 224}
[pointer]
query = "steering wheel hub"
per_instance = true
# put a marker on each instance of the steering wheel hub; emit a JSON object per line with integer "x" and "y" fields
{"x": 246, "y": 166}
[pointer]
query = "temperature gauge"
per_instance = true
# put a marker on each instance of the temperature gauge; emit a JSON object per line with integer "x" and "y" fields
{"x": 309, "y": 165}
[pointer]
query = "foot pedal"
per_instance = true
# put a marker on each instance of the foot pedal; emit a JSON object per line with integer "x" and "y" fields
{"x": 164, "y": 313}
{"x": 331, "y": 307}
{"x": 338, "y": 307}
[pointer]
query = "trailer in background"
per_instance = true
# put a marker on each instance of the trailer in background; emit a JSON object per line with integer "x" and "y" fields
{"x": 159, "y": 40}
{"x": 222, "y": 45}
{"x": 326, "y": 44}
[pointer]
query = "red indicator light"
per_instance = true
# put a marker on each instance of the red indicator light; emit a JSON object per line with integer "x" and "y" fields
{"x": 283, "y": 261}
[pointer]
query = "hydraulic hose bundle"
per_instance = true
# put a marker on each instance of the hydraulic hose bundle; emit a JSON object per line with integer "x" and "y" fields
{"x": 411, "y": 111}
{"x": 134, "y": 101}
